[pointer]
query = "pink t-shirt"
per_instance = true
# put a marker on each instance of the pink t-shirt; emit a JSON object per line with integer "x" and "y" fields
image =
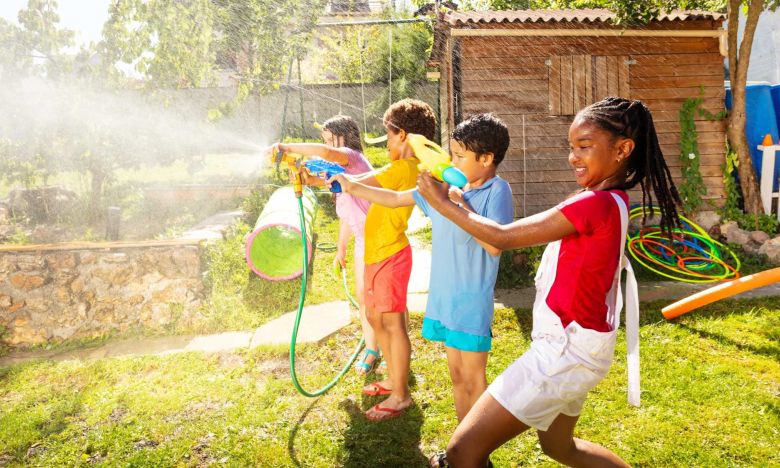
{"x": 587, "y": 259}
{"x": 352, "y": 210}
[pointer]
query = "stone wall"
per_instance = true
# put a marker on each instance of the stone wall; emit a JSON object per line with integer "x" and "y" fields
{"x": 55, "y": 293}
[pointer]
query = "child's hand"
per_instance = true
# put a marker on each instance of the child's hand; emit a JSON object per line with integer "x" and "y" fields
{"x": 432, "y": 190}
{"x": 340, "y": 261}
{"x": 346, "y": 184}
{"x": 271, "y": 151}
{"x": 309, "y": 179}
{"x": 456, "y": 196}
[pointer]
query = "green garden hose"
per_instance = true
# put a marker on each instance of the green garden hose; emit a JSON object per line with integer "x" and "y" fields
{"x": 301, "y": 300}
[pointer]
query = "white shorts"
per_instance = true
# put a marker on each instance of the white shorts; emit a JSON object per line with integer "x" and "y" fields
{"x": 545, "y": 381}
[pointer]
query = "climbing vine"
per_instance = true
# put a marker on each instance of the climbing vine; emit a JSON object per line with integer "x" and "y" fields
{"x": 732, "y": 208}
{"x": 692, "y": 187}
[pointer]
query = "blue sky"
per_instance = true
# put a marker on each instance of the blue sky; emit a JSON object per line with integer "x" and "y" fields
{"x": 86, "y": 17}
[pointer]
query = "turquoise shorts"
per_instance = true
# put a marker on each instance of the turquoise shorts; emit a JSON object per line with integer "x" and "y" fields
{"x": 434, "y": 330}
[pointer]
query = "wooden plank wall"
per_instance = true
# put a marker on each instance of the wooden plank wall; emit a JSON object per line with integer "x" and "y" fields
{"x": 509, "y": 76}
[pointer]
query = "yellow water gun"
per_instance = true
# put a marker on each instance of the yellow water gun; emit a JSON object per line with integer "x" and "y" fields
{"x": 293, "y": 164}
{"x": 434, "y": 159}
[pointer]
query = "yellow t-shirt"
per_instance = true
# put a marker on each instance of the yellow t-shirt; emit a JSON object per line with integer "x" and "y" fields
{"x": 385, "y": 227}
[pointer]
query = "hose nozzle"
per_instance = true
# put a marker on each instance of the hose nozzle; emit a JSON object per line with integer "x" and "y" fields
{"x": 294, "y": 168}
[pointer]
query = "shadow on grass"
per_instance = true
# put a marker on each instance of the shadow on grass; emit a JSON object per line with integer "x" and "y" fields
{"x": 294, "y": 433}
{"x": 525, "y": 320}
{"x": 391, "y": 443}
{"x": 763, "y": 309}
{"x": 768, "y": 351}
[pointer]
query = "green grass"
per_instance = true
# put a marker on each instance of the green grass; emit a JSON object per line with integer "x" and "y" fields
{"x": 710, "y": 380}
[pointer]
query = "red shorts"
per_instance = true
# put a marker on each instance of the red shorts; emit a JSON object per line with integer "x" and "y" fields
{"x": 386, "y": 282}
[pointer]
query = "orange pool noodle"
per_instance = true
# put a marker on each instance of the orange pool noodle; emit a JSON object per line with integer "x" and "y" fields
{"x": 721, "y": 291}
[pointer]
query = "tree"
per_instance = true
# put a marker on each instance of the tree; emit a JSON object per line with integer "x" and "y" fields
{"x": 87, "y": 115}
{"x": 739, "y": 60}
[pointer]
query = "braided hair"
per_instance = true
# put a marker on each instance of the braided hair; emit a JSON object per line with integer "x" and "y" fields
{"x": 646, "y": 164}
{"x": 345, "y": 126}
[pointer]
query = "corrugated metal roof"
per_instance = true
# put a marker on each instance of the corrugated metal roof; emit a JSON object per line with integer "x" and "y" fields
{"x": 461, "y": 18}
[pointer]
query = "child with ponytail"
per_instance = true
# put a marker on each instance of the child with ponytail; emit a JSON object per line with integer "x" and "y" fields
{"x": 613, "y": 148}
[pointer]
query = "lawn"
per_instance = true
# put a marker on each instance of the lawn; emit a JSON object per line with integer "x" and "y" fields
{"x": 711, "y": 386}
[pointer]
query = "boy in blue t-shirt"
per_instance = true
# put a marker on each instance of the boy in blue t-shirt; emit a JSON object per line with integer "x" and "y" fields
{"x": 459, "y": 312}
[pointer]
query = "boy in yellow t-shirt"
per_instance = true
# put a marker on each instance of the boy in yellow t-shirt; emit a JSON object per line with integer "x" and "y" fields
{"x": 388, "y": 256}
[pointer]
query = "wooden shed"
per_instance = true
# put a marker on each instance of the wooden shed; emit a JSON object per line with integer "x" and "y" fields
{"x": 536, "y": 68}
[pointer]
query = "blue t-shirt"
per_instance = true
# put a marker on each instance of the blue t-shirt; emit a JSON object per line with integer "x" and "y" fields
{"x": 463, "y": 274}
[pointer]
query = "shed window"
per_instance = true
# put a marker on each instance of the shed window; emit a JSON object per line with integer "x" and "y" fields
{"x": 578, "y": 80}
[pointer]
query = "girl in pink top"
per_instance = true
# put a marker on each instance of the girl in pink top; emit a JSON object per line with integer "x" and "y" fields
{"x": 341, "y": 137}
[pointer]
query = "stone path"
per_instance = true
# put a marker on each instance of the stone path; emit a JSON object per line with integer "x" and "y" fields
{"x": 322, "y": 320}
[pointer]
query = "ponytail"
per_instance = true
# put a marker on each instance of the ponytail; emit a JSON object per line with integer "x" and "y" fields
{"x": 646, "y": 164}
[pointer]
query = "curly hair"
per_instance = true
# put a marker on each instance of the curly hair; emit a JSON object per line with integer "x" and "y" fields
{"x": 483, "y": 133}
{"x": 345, "y": 126}
{"x": 646, "y": 164}
{"x": 412, "y": 116}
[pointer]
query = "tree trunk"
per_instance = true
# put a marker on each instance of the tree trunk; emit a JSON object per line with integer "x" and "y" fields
{"x": 738, "y": 67}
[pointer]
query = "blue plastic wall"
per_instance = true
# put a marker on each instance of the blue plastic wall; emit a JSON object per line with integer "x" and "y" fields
{"x": 761, "y": 119}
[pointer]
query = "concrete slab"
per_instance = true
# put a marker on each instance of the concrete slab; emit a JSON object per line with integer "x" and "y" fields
{"x": 317, "y": 323}
{"x": 421, "y": 256}
{"x": 421, "y": 271}
{"x": 670, "y": 291}
{"x": 219, "y": 342}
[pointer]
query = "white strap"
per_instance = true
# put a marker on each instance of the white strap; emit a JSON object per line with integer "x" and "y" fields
{"x": 632, "y": 309}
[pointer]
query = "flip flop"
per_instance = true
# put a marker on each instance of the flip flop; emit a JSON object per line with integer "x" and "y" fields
{"x": 379, "y": 390}
{"x": 387, "y": 413}
{"x": 364, "y": 366}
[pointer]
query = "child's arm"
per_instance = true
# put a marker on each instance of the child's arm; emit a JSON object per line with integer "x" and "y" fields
{"x": 329, "y": 153}
{"x": 343, "y": 241}
{"x": 367, "y": 178}
{"x": 456, "y": 196}
{"x": 541, "y": 228}
{"x": 378, "y": 195}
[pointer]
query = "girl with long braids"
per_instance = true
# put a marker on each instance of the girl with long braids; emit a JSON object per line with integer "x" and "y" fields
{"x": 342, "y": 145}
{"x": 613, "y": 148}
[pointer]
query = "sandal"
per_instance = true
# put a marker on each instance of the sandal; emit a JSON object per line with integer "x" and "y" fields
{"x": 363, "y": 367}
{"x": 440, "y": 460}
{"x": 385, "y": 413}
{"x": 378, "y": 389}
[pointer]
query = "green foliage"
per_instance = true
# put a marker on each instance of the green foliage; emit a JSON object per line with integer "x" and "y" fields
{"x": 732, "y": 207}
{"x": 362, "y": 54}
{"x": 517, "y": 268}
{"x": 19, "y": 236}
{"x": 692, "y": 187}
{"x": 142, "y": 33}
{"x": 377, "y": 155}
{"x": 36, "y": 46}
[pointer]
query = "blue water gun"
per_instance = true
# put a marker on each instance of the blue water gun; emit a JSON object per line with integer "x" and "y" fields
{"x": 324, "y": 170}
